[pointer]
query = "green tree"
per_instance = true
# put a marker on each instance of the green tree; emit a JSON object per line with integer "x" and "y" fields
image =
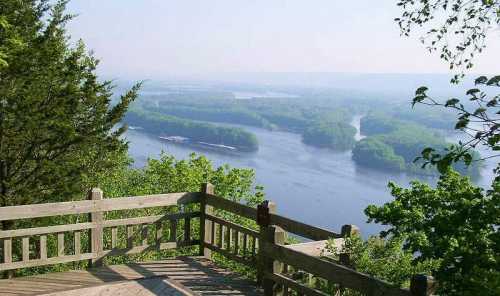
{"x": 458, "y": 29}
{"x": 57, "y": 124}
{"x": 374, "y": 153}
{"x": 335, "y": 135}
{"x": 455, "y": 223}
{"x": 383, "y": 259}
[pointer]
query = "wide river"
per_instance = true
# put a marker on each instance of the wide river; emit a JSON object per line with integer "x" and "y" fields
{"x": 316, "y": 186}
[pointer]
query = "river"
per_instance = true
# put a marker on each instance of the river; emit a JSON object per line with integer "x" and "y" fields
{"x": 312, "y": 185}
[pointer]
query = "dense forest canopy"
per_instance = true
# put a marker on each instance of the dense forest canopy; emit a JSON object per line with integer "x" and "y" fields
{"x": 395, "y": 144}
{"x": 165, "y": 125}
{"x": 322, "y": 121}
{"x": 57, "y": 125}
{"x": 456, "y": 223}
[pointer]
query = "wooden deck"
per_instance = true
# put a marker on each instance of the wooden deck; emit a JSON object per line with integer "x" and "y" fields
{"x": 179, "y": 276}
{"x": 282, "y": 268}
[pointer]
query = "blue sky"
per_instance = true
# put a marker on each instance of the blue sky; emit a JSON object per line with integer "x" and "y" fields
{"x": 160, "y": 39}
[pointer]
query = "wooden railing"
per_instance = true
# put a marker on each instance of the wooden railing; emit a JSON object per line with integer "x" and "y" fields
{"x": 282, "y": 269}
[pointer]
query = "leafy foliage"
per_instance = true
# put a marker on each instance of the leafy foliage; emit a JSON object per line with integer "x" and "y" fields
{"x": 163, "y": 175}
{"x": 337, "y": 135}
{"x": 455, "y": 28}
{"x": 159, "y": 124}
{"x": 321, "y": 122}
{"x": 480, "y": 123}
{"x": 455, "y": 223}
{"x": 384, "y": 259}
{"x": 394, "y": 144}
{"x": 56, "y": 120}
{"x": 374, "y": 153}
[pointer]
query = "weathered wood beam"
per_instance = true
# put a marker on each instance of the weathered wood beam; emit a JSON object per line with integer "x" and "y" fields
{"x": 88, "y": 206}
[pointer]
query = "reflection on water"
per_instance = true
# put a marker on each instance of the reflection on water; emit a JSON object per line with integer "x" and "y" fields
{"x": 316, "y": 186}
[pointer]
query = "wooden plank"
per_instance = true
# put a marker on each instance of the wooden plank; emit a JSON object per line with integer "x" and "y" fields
{"x": 77, "y": 239}
{"x": 316, "y": 248}
{"x": 173, "y": 230}
{"x": 145, "y": 287}
{"x": 144, "y": 234}
{"x": 26, "y": 249}
{"x": 130, "y": 236}
{"x": 254, "y": 246}
{"x": 236, "y": 238}
{"x": 43, "y": 247}
{"x": 223, "y": 230}
{"x": 231, "y": 206}
{"x": 196, "y": 273}
{"x": 220, "y": 241}
{"x": 87, "y": 206}
{"x": 302, "y": 229}
{"x": 205, "y": 225}
{"x": 276, "y": 236}
{"x": 114, "y": 237}
{"x": 212, "y": 235}
{"x": 49, "y": 261}
{"x": 149, "y": 219}
{"x": 46, "y": 230}
{"x": 97, "y": 233}
{"x": 229, "y": 239}
{"x": 232, "y": 256}
{"x": 245, "y": 244}
{"x": 145, "y": 248}
{"x": 333, "y": 272}
{"x": 232, "y": 225}
{"x": 60, "y": 244}
{"x": 187, "y": 229}
{"x": 159, "y": 232}
{"x": 7, "y": 250}
{"x": 290, "y": 283}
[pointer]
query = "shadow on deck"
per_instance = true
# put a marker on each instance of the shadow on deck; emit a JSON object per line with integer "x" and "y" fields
{"x": 179, "y": 276}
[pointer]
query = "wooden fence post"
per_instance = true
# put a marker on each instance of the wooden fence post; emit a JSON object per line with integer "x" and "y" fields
{"x": 273, "y": 235}
{"x": 205, "y": 224}
{"x": 347, "y": 231}
{"x": 422, "y": 285}
{"x": 96, "y": 234}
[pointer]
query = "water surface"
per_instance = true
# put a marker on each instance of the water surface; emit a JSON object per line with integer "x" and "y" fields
{"x": 316, "y": 186}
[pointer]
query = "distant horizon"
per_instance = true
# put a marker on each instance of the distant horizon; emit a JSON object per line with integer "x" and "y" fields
{"x": 216, "y": 76}
{"x": 363, "y": 84}
{"x": 154, "y": 39}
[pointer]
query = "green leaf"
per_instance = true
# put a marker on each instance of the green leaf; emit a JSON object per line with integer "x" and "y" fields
{"x": 421, "y": 90}
{"x": 472, "y": 91}
{"x": 479, "y": 110}
{"x": 481, "y": 80}
{"x": 494, "y": 81}
{"x": 467, "y": 159}
{"x": 426, "y": 153}
{"x": 462, "y": 123}
{"x": 451, "y": 102}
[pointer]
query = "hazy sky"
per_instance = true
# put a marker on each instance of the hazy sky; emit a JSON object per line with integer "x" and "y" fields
{"x": 168, "y": 38}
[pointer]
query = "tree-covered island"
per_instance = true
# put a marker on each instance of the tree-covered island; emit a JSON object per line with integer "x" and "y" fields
{"x": 321, "y": 123}
{"x": 394, "y": 144}
{"x": 165, "y": 125}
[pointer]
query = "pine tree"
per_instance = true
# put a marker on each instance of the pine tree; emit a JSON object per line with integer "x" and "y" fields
{"x": 58, "y": 126}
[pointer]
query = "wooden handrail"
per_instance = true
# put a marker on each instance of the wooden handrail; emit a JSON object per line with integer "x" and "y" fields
{"x": 88, "y": 206}
{"x": 263, "y": 249}
{"x": 333, "y": 272}
{"x": 302, "y": 229}
{"x": 231, "y": 206}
